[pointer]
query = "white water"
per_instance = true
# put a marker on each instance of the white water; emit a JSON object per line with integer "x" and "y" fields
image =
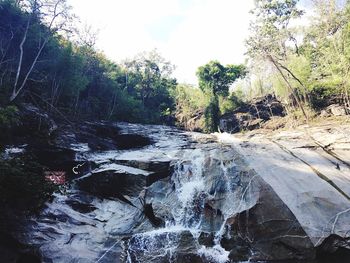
{"x": 192, "y": 185}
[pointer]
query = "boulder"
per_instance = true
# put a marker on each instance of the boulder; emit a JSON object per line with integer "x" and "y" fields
{"x": 158, "y": 169}
{"x": 34, "y": 121}
{"x": 334, "y": 249}
{"x": 336, "y": 110}
{"x": 113, "y": 180}
{"x": 163, "y": 246}
{"x": 252, "y": 115}
{"x": 267, "y": 230}
{"x": 98, "y": 136}
{"x": 300, "y": 205}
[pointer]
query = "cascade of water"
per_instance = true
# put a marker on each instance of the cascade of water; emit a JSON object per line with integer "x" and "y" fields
{"x": 189, "y": 183}
{"x": 199, "y": 176}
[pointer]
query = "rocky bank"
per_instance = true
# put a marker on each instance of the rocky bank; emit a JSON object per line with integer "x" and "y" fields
{"x": 143, "y": 193}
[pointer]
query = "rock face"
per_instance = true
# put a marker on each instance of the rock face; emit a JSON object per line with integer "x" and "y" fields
{"x": 268, "y": 228}
{"x": 311, "y": 180}
{"x": 252, "y": 115}
{"x": 336, "y": 110}
{"x": 194, "y": 123}
{"x": 187, "y": 197}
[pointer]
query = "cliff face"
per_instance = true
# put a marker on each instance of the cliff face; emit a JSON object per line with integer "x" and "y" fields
{"x": 143, "y": 193}
{"x": 309, "y": 170}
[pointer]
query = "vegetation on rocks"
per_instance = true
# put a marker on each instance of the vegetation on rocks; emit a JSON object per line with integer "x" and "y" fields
{"x": 22, "y": 184}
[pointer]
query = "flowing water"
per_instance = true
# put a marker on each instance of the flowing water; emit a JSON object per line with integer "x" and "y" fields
{"x": 204, "y": 194}
{"x": 204, "y": 188}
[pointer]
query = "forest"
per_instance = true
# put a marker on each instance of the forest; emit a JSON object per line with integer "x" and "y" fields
{"x": 47, "y": 62}
{"x": 83, "y": 165}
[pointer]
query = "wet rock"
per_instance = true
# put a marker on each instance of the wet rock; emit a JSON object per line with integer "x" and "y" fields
{"x": 112, "y": 180}
{"x": 158, "y": 169}
{"x": 149, "y": 213}
{"x": 177, "y": 246}
{"x": 81, "y": 207}
{"x": 206, "y": 239}
{"x": 105, "y": 136}
{"x": 54, "y": 158}
{"x": 334, "y": 249}
{"x": 131, "y": 141}
{"x": 98, "y": 136}
{"x": 269, "y": 228}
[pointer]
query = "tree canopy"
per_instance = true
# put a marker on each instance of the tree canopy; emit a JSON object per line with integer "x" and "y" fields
{"x": 216, "y": 78}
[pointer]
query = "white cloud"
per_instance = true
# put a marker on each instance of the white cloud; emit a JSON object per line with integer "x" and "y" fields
{"x": 203, "y": 30}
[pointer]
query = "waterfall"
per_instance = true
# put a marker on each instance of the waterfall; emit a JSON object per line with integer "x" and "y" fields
{"x": 201, "y": 182}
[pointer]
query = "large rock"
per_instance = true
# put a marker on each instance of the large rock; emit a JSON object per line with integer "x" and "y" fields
{"x": 99, "y": 136}
{"x": 126, "y": 177}
{"x": 163, "y": 246}
{"x": 113, "y": 180}
{"x": 251, "y": 115}
{"x": 337, "y": 110}
{"x": 158, "y": 169}
{"x": 312, "y": 183}
{"x": 268, "y": 230}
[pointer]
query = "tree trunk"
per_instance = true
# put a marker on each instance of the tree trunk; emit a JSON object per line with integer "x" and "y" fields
{"x": 16, "y": 92}
{"x": 306, "y": 98}
{"x": 113, "y": 105}
{"x": 292, "y": 90}
{"x": 19, "y": 68}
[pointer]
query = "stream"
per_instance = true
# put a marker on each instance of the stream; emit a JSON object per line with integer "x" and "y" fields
{"x": 183, "y": 197}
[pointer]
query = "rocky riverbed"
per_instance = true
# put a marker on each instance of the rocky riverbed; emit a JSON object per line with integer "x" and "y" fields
{"x": 136, "y": 193}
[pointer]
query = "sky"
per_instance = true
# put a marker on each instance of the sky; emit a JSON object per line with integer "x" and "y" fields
{"x": 189, "y": 33}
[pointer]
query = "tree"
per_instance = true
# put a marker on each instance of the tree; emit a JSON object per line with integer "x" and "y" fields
{"x": 47, "y": 16}
{"x": 149, "y": 79}
{"x": 216, "y": 79}
{"x": 327, "y": 45}
{"x": 270, "y": 34}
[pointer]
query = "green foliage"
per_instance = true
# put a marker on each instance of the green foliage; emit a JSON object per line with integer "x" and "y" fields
{"x": 8, "y": 116}
{"x": 215, "y": 79}
{"x": 231, "y": 103}
{"x": 190, "y": 104}
{"x": 23, "y": 185}
{"x": 75, "y": 79}
{"x": 309, "y": 64}
{"x": 212, "y": 115}
{"x": 8, "y": 119}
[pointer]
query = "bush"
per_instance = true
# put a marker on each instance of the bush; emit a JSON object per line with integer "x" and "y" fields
{"x": 321, "y": 97}
{"x": 212, "y": 115}
{"x": 23, "y": 185}
{"x": 9, "y": 118}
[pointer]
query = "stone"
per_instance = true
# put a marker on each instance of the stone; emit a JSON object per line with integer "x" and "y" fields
{"x": 81, "y": 207}
{"x": 337, "y": 110}
{"x": 112, "y": 183}
{"x": 268, "y": 228}
{"x": 334, "y": 249}
{"x": 252, "y": 115}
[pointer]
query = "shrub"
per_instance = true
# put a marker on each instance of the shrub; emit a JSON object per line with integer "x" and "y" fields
{"x": 23, "y": 184}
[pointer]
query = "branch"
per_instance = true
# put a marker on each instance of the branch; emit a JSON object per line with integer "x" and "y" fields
{"x": 21, "y": 55}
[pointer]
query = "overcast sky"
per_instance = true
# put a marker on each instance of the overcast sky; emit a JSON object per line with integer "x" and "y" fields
{"x": 189, "y": 33}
